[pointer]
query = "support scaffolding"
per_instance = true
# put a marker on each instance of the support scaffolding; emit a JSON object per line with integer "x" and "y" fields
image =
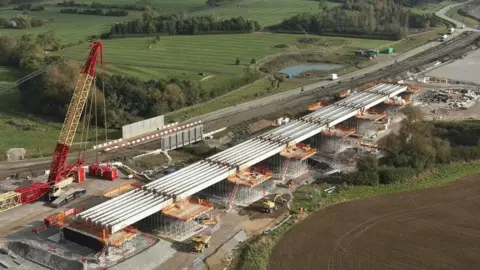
{"x": 171, "y": 227}
{"x": 179, "y": 221}
{"x": 294, "y": 160}
{"x": 224, "y": 193}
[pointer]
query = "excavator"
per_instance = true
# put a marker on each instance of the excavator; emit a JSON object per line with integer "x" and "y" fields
{"x": 270, "y": 205}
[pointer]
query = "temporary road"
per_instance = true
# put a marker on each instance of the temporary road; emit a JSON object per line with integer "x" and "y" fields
{"x": 136, "y": 205}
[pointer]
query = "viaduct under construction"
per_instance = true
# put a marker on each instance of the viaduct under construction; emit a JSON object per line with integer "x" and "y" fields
{"x": 238, "y": 175}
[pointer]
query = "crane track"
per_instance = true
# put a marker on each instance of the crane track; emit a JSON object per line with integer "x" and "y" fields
{"x": 424, "y": 57}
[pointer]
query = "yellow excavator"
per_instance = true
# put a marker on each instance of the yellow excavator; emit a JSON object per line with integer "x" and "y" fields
{"x": 199, "y": 243}
{"x": 270, "y": 205}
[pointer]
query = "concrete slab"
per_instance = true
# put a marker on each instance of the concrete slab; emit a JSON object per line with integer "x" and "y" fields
{"x": 465, "y": 69}
{"x": 150, "y": 258}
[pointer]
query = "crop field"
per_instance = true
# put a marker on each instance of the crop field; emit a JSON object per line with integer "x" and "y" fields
{"x": 425, "y": 229}
{"x": 212, "y": 54}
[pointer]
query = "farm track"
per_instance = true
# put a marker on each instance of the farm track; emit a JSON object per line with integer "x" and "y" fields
{"x": 282, "y": 102}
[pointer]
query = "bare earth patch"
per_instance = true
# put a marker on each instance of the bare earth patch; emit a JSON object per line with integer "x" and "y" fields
{"x": 426, "y": 229}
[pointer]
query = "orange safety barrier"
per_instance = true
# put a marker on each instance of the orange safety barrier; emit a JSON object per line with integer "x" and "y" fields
{"x": 188, "y": 209}
{"x": 317, "y": 105}
{"x": 376, "y": 114}
{"x": 413, "y": 89}
{"x": 248, "y": 177}
{"x": 339, "y": 131}
{"x": 304, "y": 151}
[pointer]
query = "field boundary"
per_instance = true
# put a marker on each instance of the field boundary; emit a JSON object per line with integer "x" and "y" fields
{"x": 263, "y": 245}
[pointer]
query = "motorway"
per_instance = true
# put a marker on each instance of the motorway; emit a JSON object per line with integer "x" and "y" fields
{"x": 286, "y": 100}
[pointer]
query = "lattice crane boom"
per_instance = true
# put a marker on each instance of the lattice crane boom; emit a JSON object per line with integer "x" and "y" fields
{"x": 59, "y": 169}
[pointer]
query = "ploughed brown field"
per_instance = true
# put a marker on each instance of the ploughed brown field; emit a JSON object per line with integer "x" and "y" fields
{"x": 427, "y": 229}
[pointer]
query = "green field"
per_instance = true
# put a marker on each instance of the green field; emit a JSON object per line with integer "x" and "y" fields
{"x": 71, "y": 28}
{"x": 214, "y": 54}
{"x": 18, "y": 130}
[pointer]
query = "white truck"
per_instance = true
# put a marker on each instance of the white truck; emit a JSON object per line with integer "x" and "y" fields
{"x": 451, "y": 30}
{"x": 443, "y": 38}
{"x": 333, "y": 76}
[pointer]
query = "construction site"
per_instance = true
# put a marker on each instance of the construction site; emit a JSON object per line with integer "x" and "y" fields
{"x": 105, "y": 214}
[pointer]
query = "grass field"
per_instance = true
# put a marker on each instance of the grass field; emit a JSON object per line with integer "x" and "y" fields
{"x": 262, "y": 246}
{"x": 188, "y": 55}
{"x": 21, "y": 130}
{"x": 71, "y": 28}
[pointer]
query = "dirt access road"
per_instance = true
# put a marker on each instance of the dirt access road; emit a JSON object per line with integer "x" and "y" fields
{"x": 427, "y": 229}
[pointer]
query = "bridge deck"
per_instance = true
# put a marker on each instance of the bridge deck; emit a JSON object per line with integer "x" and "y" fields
{"x": 135, "y": 205}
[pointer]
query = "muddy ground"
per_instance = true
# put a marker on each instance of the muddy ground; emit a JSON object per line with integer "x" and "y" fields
{"x": 427, "y": 229}
{"x": 255, "y": 210}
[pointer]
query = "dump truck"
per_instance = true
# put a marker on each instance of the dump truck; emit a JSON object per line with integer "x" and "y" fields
{"x": 199, "y": 243}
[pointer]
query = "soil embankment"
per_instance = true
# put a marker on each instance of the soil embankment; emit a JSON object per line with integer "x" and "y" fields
{"x": 427, "y": 229}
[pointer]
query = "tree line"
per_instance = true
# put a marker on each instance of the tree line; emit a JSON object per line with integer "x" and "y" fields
{"x": 418, "y": 146}
{"x": 96, "y": 11}
{"x": 376, "y": 17}
{"x": 127, "y": 99}
{"x": 20, "y": 21}
{"x": 182, "y": 25}
{"x": 29, "y": 7}
{"x": 96, "y": 5}
{"x": 216, "y": 3}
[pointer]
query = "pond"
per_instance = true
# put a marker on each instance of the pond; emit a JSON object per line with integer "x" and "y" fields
{"x": 300, "y": 68}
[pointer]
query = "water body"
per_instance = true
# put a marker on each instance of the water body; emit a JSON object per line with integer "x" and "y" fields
{"x": 300, "y": 68}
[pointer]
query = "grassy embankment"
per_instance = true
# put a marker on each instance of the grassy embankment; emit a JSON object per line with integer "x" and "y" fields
{"x": 454, "y": 14}
{"x": 263, "y": 245}
{"x": 22, "y": 130}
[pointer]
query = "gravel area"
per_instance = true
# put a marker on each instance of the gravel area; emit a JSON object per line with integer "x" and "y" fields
{"x": 465, "y": 69}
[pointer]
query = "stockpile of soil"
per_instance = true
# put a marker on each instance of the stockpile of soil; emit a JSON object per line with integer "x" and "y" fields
{"x": 426, "y": 229}
{"x": 42, "y": 257}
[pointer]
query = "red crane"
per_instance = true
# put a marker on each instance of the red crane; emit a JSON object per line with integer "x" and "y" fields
{"x": 60, "y": 171}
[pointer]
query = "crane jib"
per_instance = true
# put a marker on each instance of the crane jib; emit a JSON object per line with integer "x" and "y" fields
{"x": 59, "y": 169}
